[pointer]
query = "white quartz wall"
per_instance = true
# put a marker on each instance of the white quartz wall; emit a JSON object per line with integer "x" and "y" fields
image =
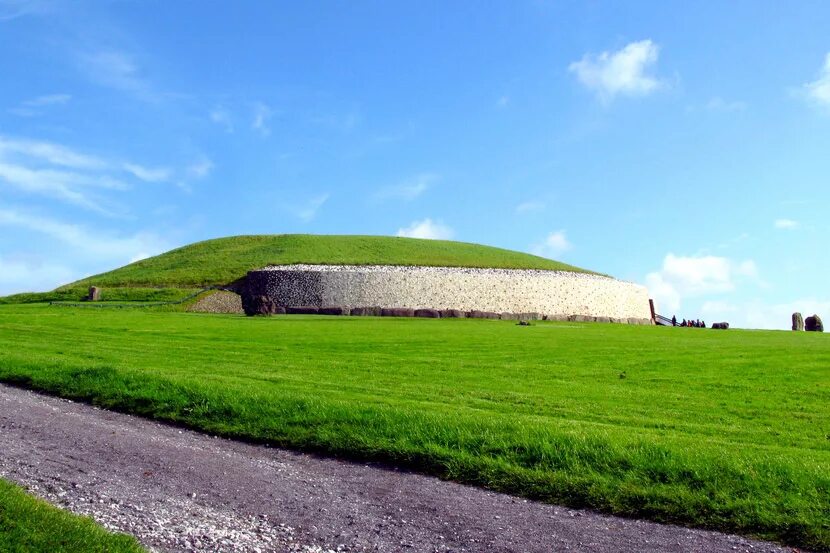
{"x": 552, "y": 293}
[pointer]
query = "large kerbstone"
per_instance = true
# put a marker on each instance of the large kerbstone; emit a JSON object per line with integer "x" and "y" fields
{"x": 261, "y": 305}
{"x": 397, "y": 312}
{"x": 813, "y": 324}
{"x": 366, "y": 311}
{"x": 476, "y": 314}
{"x": 303, "y": 310}
{"x": 334, "y": 311}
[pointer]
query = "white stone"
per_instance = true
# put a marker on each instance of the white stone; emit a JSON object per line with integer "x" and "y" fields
{"x": 552, "y": 293}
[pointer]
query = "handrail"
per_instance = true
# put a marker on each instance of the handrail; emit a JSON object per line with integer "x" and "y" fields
{"x": 664, "y": 321}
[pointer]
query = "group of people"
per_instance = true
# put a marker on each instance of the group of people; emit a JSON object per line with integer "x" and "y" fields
{"x": 691, "y": 323}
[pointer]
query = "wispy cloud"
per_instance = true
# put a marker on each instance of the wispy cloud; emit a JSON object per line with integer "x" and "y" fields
{"x": 532, "y": 206}
{"x": 62, "y": 173}
{"x": 819, "y": 90}
{"x": 35, "y": 179}
{"x": 785, "y": 224}
{"x": 345, "y": 122}
{"x": 410, "y": 188}
{"x": 308, "y": 211}
{"x": 262, "y": 114}
{"x": 84, "y": 241}
{"x": 35, "y": 106}
{"x": 67, "y": 186}
{"x": 118, "y": 70}
{"x": 503, "y": 101}
{"x": 55, "y": 154}
{"x": 624, "y": 72}
{"x": 719, "y": 104}
{"x": 554, "y": 245}
{"x": 47, "y": 100}
{"x": 12, "y": 9}
{"x": 222, "y": 117}
{"x": 427, "y": 228}
{"x": 148, "y": 174}
{"x": 200, "y": 168}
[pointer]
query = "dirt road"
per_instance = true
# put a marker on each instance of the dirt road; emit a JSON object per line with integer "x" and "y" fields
{"x": 183, "y": 491}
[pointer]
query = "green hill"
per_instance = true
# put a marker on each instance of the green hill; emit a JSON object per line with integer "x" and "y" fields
{"x": 223, "y": 260}
{"x": 180, "y": 272}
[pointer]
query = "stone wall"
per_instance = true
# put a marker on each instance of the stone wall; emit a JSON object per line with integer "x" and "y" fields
{"x": 555, "y": 294}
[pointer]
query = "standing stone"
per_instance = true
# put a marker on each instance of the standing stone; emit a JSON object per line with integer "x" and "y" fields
{"x": 94, "y": 294}
{"x": 798, "y": 321}
{"x": 813, "y": 324}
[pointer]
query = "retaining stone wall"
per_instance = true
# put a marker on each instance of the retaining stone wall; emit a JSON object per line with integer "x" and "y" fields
{"x": 555, "y": 294}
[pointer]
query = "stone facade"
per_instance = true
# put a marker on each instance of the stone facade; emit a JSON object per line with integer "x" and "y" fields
{"x": 555, "y": 294}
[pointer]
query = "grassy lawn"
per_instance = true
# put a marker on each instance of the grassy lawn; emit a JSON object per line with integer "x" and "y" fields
{"x": 29, "y": 525}
{"x": 718, "y": 429}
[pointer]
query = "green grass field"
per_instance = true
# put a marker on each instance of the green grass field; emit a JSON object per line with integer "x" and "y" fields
{"x": 29, "y": 525}
{"x": 726, "y": 430}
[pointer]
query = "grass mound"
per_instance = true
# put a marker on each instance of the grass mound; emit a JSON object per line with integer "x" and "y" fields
{"x": 223, "y": 260}
{"x": 722, "y": 430}
{"x": 29, "y": 525}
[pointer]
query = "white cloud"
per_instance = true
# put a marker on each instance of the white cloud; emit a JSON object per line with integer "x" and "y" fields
{"x": 117, "y": 70}
{"x": 27, "y": 274}
{"x": 62, "y": 173}
{"x": 623, "y": 72}
{"x": 200, "y": 168}
{"x": 48, "y": 152}
{"x": 684, "y": 277}
{"x": 262, "y": 113}
{"x": 785, "y": 224}
{"x": 12, "y": 9}
{"x": 309, "y": 211}
{"x": 148, "y": 174}
{"x": 819, "y": 90}
{"x": 48, "y": 100}
{"x": 427, "y": 228}
{"x": 719, "y": 104}
{"x": 83, "y": 241}
{"x": 342, "y": 122}
{"x": 554, "y": 245}
{"x": 503, "y": 101}
{"x": 221, "y": 116}
{"x": 34, "y": 106}
{"x": 66, "y": 186}
{"x": 532, "y": 206}
{"x": 410, "y": 188}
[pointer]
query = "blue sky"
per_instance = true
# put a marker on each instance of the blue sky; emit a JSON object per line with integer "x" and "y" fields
{"x": 684, "y": 147}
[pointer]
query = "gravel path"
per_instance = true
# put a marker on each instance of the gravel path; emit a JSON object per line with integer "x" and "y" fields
{"x": 178, "y": 490}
